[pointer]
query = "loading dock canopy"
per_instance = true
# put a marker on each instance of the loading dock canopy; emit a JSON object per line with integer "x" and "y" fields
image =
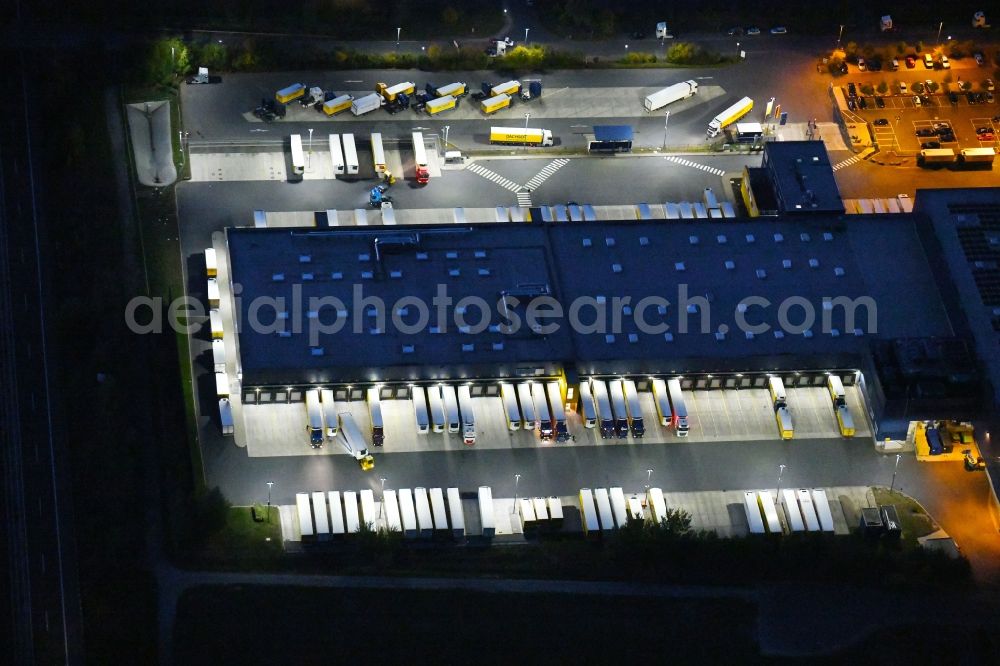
{"x": 717, "y": 262}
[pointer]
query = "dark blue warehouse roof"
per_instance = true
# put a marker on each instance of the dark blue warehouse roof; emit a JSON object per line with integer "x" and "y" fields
{"x": 589, "y": 265}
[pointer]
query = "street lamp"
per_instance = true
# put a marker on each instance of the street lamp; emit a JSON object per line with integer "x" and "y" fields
{"x": 839, "y": 35}
{"x": 666, "y": 119}
{"x": 649, "y": 478}
{"x": 526, "y": 116}
{"x": 940, "y": 25}
{"x": 310, "y": 148}
{"x": 526, "y": 36}
{"x": 517, "y": 479}
{"x": 777, "y": 491}
{"x": 737, "y": 50}
{"x": 269, "y": 484}
{"x": 446, "y": 128}
{"x": 893, "y": 484}
{"x": 398, "y": 31}
{"x": 180, "y": 139}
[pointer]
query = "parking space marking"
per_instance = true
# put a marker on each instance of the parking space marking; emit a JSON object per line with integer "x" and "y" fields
{"x": 544, "y": 174}
{"x": 695, "y": 165}
{"x": 506, "y": 183}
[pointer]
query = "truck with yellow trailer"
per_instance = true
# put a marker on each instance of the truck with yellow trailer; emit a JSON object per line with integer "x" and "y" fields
{"x": 337, "y": 104}
{"x": 494, "y": 104}
{"x": 457, "y": 89}
{"x": 436, "y": 106}
{"x": 521, "y": 136}
{"x": 781, "y": 415}
{"x": 506, "y": 88}
{"x": 389, "y": 93}
{"x": 729, "y": 116}
{"x": 292, "y": 92}
{"x": 845, "y": 423}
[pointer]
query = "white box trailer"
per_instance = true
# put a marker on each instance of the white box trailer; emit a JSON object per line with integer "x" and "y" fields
{"x": 587, "y": 410}
{"x": 329, "y": 413}
{"x": 468, "y": 415}
{"x": 215, "y": 321}
{"x": 391, "y": 504}
{"x": 366, "y": 104}
{"x": 558, "y": 410}
{"x": 455, "y": 513}
{"x": 221, "y": 385}
{"x": 662, "y": 401}
{"x": 219, "y": 355}
{"x": 752, "y": 510}
{"x": 541, "y": 511}
{"x": 669, "y": 95}
{"x": 451, "y": 408}
{"x": 634, "y": 408}
{"x": 298, "y": 155}
{"x": 766, "y": 501}
{"x": 511, "y": 411}
{"x": 538, "y": 398}
{"x": 369, "y": 509}
{"x": 526, "y": 511}
{"x": 352, "y": 520}
{"x": 679, "y": 407}
{"x": 527, "y": 405}
{"x": 350, "y": 155}
{"x": 425, "y": 522}
{"x": 792, "y": 512}
{"x": 336, "y": 513}
{"x": 375, "y": 416}
{"x": 604, "y": 513}
{"x": 226, "y": 417}
{"x": 305, "y": 514}
{"x": 606, "y": 417}
{"x": 633, "y": 507}
{"x": 618, "y": 407}
{"x": 378, "y": 154}
{"x": 436, "y": 408}
{"x": 555, "y": 511}
{"x": 823, "y": 512}
{"x": 212, "y": 292}
{"x": 320, "y": 518}
{"x": 360, "y": 217}
{"x": 657, "y": 505}
{"x": 617, "y": 498}
{"x": 438, "y": 512}
{"x": 336, "y": 155}
{"x": 588, "y": 513}
{"x": 407, "y": 513}
{"x": 314, "y": 424}
{"x": 486, "y": 517}
{"x": 418, "y": 397}
{"x": 211, "y": 263}
{"x": 808, "y": 510}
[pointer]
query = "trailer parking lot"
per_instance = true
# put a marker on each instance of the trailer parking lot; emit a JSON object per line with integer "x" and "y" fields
{"x": 714, "y": 415}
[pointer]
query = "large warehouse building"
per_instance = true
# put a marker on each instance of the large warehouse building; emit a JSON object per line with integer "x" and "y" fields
{"x": 901, "y": 304}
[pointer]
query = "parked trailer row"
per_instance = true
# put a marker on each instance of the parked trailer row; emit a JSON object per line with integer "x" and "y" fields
{"x": 538, "y": 512}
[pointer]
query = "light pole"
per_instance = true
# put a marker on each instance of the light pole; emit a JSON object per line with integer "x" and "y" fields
{"x": 839, "y": 35}
{"x": 940, "y": 25}
{"x": 526, "y": 36}
{"x": 381, "y": 507}
{"x": 893, "y": 484}
{"x": 398, "y": 31}
{"x": 737, "y": 50}
{"x": 666, "y": 119}
{"x": 526, "y": 117}
{"x": 777, "y": 491}
{"x": 180, "y": 139}
{"x": 649, "y": 478}
{"x": 517, "y": 479}
{"x": 172, "y": 65}
{"x": 310, "y": 148}
{"x": 269, "y": 484}
{"x": 446, "y": 128}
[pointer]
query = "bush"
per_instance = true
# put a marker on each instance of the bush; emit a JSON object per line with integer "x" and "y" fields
{"x": 523, "y": 57}
{"x": 638, "y": 59}
{"x": 867, "y": 89}
{"x": 882, "y": 87}
{"x": 932, "y": 86}
{"x": 917, "y": 87}
{"x": 212, "y": 55}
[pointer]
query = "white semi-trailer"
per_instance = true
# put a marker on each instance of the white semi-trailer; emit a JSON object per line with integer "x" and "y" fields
{"x": 436, "y": 408}
{"x": 657, "y": 505}
{"x": 823, "y": 512}
{"x": 545, "y": 429}
{"x": 305, "y": 514}
{"x": 618, "y": 407}
{"x": 527, "y": 405}
{"x": 617, "y": 498}
{"x": 455, "y": 513}
{"x": 352, "y": 521}
{"x": 792, "y": 513}
{"x": 604, "y": 513}
{"x": 588, "y": 513}
{"x": 319, "y": 515}
{"x": 586, "y": 406}
{"x": 369, "y": 509}
{"x": 425, "y": 523}
{"x": 392, "y": 519}
{"x": 511, "y": 412}
{"x": 451, "y": 408}
{"x": 808, "y": 510}
{"x": 315, "y": 423}
{"x": 468, "y": 415}
{"x": 336, "y": 513}
{"x": 679, "y": 407}
{"x": 604, "y": 413}
{"x": 330, "y": 413}
{"x": 419, "y": 399}
{"x": 634, "y": 408}
{"x": 670, "y": 94}
{"x": 766, "y": 501}
{"x": 752, "y": 510}
{"x": 407, "y": 513}
{"x": 353, "y": 442}
{"x": 486, "y": 517}
{"x": 558, "y": 411}
{"x": 438, "y": 512}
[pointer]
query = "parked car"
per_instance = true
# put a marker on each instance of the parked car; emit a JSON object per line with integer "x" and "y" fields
{"x": 902, "y": 88}
{"x": 928, "y": 85}
{"x": 986, "y": 136}
{"x": 779, "y": 30}
{"x": 928, "y": 61}
{"x": 953, "y": 98}
{"x": 926, "y": 131}
{"x": 852, "y": 90}
{"x": 879, "y": 102}
{"x": 911, "y": 62}
{"x": 880, "y": 122}
{"x": 895, "y": 64}
{"x": 851, "y": 105}
{"x": 735, "y": 32}
{"x": 970, "y": 97}
{"x": 916, "y": 100}
{"x": 753, "y": 30}
{"x": 988, "y": 84}
{"x": 861, "y": 65}
{"x": 862, "y": 103}
{"x": 947, "y": 138}
{"x": 945, "y": 63}
{"x": 930, "y": 145}
{"x": 979, "y": 59}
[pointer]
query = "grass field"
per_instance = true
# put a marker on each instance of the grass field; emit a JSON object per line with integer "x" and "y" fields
{"x": 254, "y": 625}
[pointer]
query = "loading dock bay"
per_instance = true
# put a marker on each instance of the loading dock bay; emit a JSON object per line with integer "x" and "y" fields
{"x": 714, "y": 415}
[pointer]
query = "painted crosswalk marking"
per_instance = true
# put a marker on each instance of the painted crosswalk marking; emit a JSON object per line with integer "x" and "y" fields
{"x": 506, "y": 183}
{"x": 524, "y": 199}
{"x": 695, "y": 165}
{"x": 544, "y": 174}
{"x": 846, "y": 163}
